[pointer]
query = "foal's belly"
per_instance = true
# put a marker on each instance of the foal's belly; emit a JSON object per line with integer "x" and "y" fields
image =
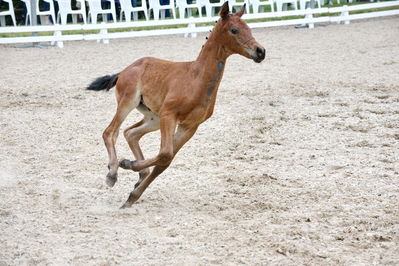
{"x": 196, "y": 116}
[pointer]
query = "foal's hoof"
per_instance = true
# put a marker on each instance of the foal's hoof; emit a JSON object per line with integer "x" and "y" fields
{"x": 126, "y": 205}
{"x": 110, "y": 180}
{"x": 127, "y": 164}
{"x": 132, "y": 199}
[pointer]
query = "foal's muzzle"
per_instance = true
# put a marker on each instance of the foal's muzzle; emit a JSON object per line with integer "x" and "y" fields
{"x": 260, "y": 54}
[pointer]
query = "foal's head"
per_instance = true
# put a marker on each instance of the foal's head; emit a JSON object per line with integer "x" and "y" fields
{"x": 236, "y": 37}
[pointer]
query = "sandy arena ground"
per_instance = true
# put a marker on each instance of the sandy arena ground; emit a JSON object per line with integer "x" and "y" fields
{"x": 297, "y": 166}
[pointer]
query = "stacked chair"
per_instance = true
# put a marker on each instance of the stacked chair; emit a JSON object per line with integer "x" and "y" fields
{"x": 9, "y": 12}
{"x": 44, "y": 14}
{"x": 96, "y": 9}
{"x": 211, "y": 7}
{"x": 127, "y": 9}
{"x": 65, "y": 9}
{"x": 257, "y": 5}
{"x": 156, "y": 8}
{"x": 182, "y": 5}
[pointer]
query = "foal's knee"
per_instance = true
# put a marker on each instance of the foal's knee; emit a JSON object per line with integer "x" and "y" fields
{"x": 126, "y": 133}
{"x": 165, "y": 158}
{"x": 109, "y": 135}
{"x": 129, "y": 134}
{"x": 106, "y": 135}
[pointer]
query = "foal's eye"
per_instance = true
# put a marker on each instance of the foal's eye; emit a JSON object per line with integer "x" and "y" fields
{"x": 234, "y": 31}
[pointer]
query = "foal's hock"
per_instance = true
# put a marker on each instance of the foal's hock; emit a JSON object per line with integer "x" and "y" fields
{"x": 175, "y": 97}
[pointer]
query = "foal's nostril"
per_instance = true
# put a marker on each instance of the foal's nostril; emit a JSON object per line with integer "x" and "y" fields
{"x": 260, "y": 52}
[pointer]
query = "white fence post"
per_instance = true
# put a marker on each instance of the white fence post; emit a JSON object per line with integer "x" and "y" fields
{"x": 103, "y": 34}
{"x": 190, "y": 34}
{"x": 309, "y": 17}
{"x": 59, "y": 43}
{"x": 345, "y": 15}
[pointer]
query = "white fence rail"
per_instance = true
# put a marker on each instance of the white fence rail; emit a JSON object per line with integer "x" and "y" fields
{"x": 335, "y": 14}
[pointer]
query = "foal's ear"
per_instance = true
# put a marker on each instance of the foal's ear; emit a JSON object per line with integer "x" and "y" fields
{"x": 242, "y": 11}
{"x": 224, "y": 11}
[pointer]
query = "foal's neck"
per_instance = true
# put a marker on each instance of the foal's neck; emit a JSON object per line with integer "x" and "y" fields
{"x": 212, "y": 51}
{"x": 210, "y": 64}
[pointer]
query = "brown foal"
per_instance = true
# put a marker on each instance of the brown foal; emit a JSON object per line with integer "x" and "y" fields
{"x": 173, "y": 97}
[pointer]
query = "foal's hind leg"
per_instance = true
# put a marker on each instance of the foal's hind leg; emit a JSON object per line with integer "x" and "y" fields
{"x": 183, "y": 134}
{"x": 133, "y": 135}
{"x": 126, "y": 104}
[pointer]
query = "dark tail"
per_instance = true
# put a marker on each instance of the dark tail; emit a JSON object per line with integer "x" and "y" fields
{"x": 103, "y": 83}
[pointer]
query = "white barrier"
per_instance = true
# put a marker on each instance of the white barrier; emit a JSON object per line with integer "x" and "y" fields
{"x": 192, "y": 29}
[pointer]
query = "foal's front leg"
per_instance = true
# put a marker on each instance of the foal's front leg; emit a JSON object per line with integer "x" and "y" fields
{"x": 133, "y": 135}
{"x": 165, "y": 155}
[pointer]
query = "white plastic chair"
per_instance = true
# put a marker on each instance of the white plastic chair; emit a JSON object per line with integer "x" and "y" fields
{"x": 210, "y": 7}
{"x": 9, "y": 12}
{"x": 258, "y": 4}
{"x": 233, "y": 3}
{"x": 183, "y": 5}
{"x": 128, "y": 9}
{"x": 302, "y": 3}
{"x": 27, "y": 18}
{"x": 65, "y": 9}
{"x": 156, "y": 7}
{"x": 280, "y": 3}
{"x": 345, "y": 1}
{"x": 95, "y": 9}
{"x": 44, "y": 13}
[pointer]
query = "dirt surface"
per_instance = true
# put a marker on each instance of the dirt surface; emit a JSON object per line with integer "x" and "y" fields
{"x": 298, "y": 165}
